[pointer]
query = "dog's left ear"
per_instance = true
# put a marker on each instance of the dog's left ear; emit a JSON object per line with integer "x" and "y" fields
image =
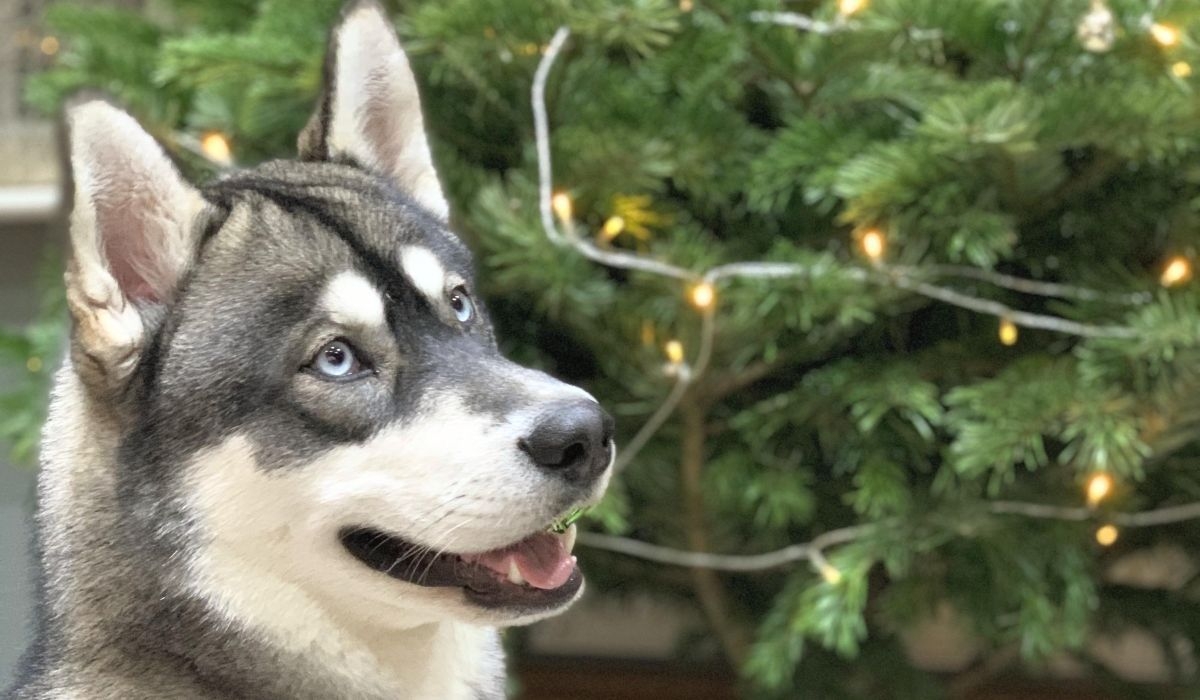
{"x": 370, "y": 112}
{"x": 132, "y": 238}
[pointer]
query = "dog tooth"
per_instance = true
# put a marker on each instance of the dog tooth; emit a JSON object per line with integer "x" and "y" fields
{"x": 569, "y": 538}
{"x": 514, "y": 574}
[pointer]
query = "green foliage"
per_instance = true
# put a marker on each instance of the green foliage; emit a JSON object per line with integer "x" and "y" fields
{"x": 971, "y": 133}
{"x": 31, "y": 352}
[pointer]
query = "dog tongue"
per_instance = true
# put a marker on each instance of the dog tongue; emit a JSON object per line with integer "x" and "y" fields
{"x": 542, "y": 560}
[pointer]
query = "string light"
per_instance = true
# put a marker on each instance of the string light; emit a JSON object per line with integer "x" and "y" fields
{"x": 849, "y": 7}
{"x": 686, "y": 5}
{"x": 1008, "y": 332}
{"x": 1098, "y": 488}
{"x": 216, "y": 148}
{"x": 674, "y": 351}
{"x": 34, "y": 364}
{"x": 1177, "y": 271}
{"x": 1181, "y": 69}
{"x": 563, "y": 209}
{"x": 873, "y": 244}
{"x": 1164, "y": 34}
{"x": 703, "y": 295}
{"x": 613, "y": 226}
{"x": 49, "y": 45}
{"x": 1106, "y": 535}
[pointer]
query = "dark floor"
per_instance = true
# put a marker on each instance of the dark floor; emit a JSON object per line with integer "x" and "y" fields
{"x": 587, "y": 679}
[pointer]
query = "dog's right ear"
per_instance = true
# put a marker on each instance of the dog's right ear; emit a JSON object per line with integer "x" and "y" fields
{"x": 131, "y": 236}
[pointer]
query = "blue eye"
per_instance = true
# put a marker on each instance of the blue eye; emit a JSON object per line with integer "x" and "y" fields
{"x": 460, "y": 301}
{"x": 336, "y": 360}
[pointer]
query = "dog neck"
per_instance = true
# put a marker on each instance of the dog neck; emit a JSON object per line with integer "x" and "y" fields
{"x": 224, "y": 625}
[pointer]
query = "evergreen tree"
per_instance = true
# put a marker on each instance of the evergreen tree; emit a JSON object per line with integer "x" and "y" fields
{"x": 981, "y": 346}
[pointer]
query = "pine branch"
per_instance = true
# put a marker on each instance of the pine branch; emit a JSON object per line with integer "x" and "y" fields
{"x": 634, "y": 261}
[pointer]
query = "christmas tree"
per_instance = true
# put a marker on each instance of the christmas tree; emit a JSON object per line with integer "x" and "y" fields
{"x": 892, "y": 300}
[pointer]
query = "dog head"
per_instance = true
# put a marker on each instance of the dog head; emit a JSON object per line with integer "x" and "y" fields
{"x": 309, "y": 399}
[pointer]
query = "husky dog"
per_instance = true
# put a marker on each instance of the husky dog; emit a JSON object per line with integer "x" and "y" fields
{"x": 284, "y": 458}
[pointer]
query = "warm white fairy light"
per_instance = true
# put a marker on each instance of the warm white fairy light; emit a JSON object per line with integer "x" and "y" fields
{"x": 1181, "y": 69}
{"x": 1166, "y": 35}
{"x": 674, "y": 351}
{"x": 873, "y": 244}
{"x": 1008, "y": 332}
{"x": 830, "y": 573}
{"x": 1177, "y": 271}
{"x": 703, "y": 295}
{"x": 49, "y": 45}
{"x": 613, "y": 226}
{"x": 850, "y": 7}
{"x": 216, "y": 148}
{"x": 563, "y": 208}
{"x": 1099, "y": 486}
{"x": 1106, "y": 535}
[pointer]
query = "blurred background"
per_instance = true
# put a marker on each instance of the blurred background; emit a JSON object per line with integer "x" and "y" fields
{"x": 963, "y": 357}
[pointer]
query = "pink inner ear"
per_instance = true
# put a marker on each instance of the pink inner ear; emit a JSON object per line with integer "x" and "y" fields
{"x": 130, "y": 231}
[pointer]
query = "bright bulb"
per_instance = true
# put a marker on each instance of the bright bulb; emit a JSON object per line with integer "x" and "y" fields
{"x": 830, "y": 573}
{"x": 873, "y": 244}
{"x": 1106, "y": 535}
{"x": 1181, "y": 69}
{"x": 703, "y": 295}
{"x": 613, "y": 226}
{"x": 1098, "y": 488}
{"x": 216, "y": 148}
{"x": 561, "y": 204}
{"x": 1008, "y": 332}
{"x": 1164, "y": 34}
{"x": 674, "y": 350}
{"x": 849, "y": 7}
{"x": 1177, "y": 271}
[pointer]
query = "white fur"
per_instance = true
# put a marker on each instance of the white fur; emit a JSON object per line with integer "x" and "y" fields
{"x": 265, "y": 567}
{"x": 271, "y": 559}
{"x": 426, "y": 273}
{"x": 376, "y": 115}
{"x": 351, "y": 300}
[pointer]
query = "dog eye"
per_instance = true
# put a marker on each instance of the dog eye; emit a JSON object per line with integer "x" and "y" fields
{"x": 337, "y": 360}
{"x": 460, "y": 301}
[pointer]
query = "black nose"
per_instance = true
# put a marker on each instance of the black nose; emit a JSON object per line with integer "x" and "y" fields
{"x": 573, "y": 439}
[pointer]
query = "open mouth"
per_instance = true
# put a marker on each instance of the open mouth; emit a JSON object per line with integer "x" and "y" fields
{"x": 535, "y": 573}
